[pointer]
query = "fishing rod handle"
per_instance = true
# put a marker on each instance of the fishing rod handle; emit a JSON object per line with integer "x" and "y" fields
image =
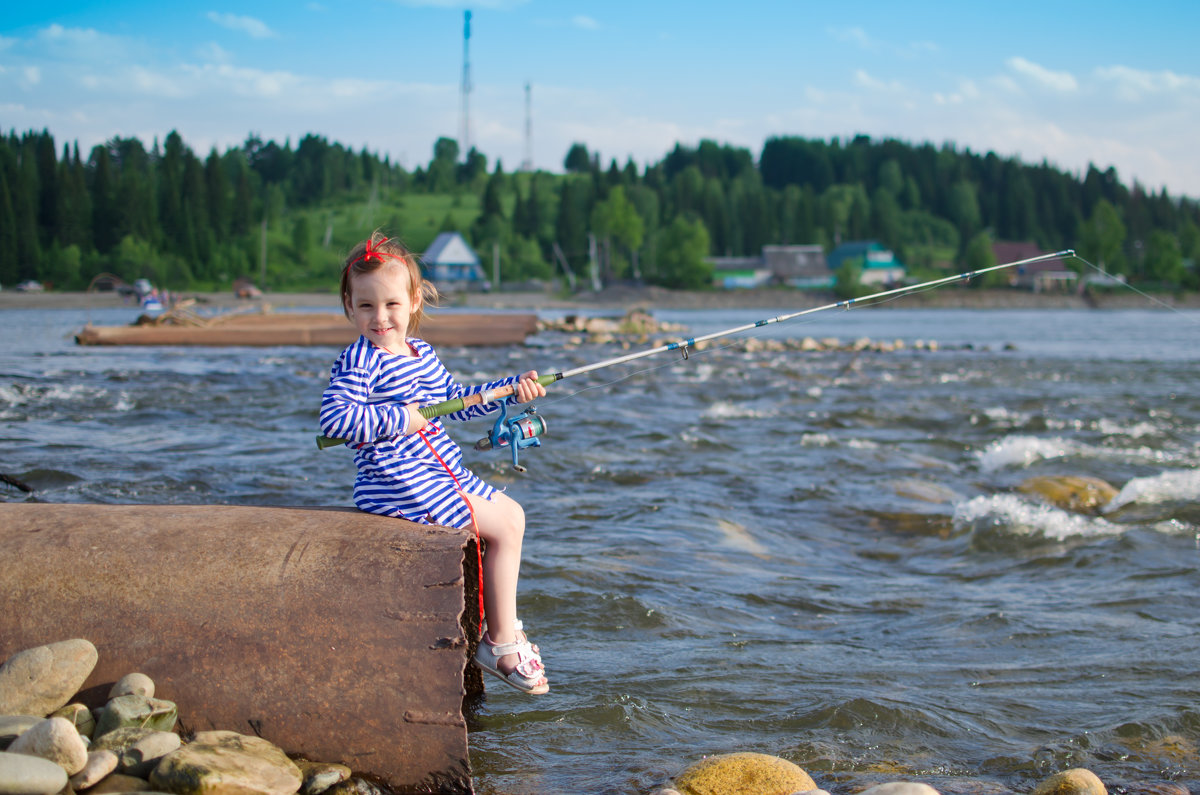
{"x": 455, "y": 404}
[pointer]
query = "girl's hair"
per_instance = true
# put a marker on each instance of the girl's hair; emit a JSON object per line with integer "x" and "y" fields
{"x": 377, "y": 251}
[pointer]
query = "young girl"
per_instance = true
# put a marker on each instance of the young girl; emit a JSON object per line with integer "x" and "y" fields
{"x": 407, "y": 465}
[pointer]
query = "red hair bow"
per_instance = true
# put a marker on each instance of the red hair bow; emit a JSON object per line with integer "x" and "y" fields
{"x": 372, "y": 252}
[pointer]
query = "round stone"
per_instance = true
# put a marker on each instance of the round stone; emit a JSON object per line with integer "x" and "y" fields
{"x": 744, "y": 774}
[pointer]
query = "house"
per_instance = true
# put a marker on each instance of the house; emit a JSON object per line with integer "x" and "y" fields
{"x": 451, "y": 263}
{"x": 879, "y": 265}
{"x": 1036, "y": 276}
{"x": 798, "y": 266}
{"x": 739, "y": 272}
{"x": 801, "y": 266}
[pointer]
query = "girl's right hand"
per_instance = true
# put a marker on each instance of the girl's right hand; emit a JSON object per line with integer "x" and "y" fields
{"x": 416, "y": 421}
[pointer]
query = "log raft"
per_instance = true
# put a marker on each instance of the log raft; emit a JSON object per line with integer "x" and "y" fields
{"x": 311, "y": 328}
{"x": 337, "y": 635}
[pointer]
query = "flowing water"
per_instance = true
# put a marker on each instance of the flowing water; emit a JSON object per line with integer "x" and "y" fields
{"x": 820, "y": 556}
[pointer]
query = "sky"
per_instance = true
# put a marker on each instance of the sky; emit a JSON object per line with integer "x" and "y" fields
{"x": 1112, "y": 84}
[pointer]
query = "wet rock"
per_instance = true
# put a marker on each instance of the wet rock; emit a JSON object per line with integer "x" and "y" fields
{"x": 743, "y": 774}
{"x": 141, "y": 756}
{"x": 355, "y": 786}
{"x": 21, "y": 774}
{"x": 133, "y": 685}
{"x": 119, "y": 782}
{"x": 54, "y": 739}
{"x": 38, "y": 681}
{"x": 119, "y": 740}
{"x": 1077, "y": 781}
{"x": 1076, "y": 493}
{"x": 1154, "y": 788}
{"x": 80, "y": 716}
{"x": 228, "y": 762}
{"x": 137, "y": 710}
{"x": 13, "y": 726}
{"x": 320, "y": 776}
{"x": 900, "y": 788}
{"x": 99, "y": 764}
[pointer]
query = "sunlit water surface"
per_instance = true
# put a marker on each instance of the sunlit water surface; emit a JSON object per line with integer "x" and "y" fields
{"x": 821, "y": 556}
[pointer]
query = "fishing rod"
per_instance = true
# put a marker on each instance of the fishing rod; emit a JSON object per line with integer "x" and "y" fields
{"x": 522, "y": 431}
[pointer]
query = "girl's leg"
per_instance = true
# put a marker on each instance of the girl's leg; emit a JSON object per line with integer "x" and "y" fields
{"x": 501, "y": 522}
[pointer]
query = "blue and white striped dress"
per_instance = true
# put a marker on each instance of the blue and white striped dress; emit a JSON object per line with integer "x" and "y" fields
{"x": 398, "y": 474}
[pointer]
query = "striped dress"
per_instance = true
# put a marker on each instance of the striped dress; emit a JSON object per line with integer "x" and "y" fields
{"x": 398, "y": 474}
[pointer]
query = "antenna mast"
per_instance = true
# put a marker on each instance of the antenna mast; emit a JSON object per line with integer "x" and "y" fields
{"x": 464, "y": 132}
{"x": 528, "y": 164}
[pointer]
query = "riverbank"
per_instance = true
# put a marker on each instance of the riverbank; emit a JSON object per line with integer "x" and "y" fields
{"x": 623, "y": 298}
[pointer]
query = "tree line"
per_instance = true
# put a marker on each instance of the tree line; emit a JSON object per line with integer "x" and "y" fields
{"x": 286, "y": 215}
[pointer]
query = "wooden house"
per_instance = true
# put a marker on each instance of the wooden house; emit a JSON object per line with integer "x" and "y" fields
{"x": 452, "y": 264}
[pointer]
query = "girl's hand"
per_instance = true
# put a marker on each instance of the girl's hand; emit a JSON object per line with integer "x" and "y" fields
{"x": 416, "y": 421}
{"x": 528, "y": 387}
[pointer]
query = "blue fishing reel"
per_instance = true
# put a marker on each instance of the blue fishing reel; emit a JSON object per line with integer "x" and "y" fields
{"x": 516, "y": 433}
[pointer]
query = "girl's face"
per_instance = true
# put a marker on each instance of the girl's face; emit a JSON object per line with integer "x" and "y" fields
{"x": 380, "y": 306}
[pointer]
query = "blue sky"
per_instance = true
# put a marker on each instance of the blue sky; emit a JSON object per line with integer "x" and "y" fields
{"x": 1114, "y": 84}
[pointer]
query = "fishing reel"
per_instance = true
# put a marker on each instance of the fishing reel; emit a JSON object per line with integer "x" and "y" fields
{"x": 516, "y": 433}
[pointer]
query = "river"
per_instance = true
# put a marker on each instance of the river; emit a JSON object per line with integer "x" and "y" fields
{"x": 822, "y": 556}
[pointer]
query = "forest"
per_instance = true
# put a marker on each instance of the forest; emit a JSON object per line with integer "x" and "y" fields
{"x": 284, "y": 216}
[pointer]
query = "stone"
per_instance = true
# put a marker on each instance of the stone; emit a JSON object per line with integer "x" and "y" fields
{"x": 13, "y": 726}
{"x": 355, "y": 786}
{"x": 900, "y": 788}
{"x": 137, "y": 710}
{"x": 743, "y": 774}
{"x": 38, "y": 681}
{"x": 133, "y": 685}
{"x": 54, "y": 739}
{"x": 141, "y": 756}
{"x": 119, "y": 782}
{"x": 320, "y": 776}
{"x": 118, "y": 740}
{"x": 99, "y": 764}
{"x": 1076, "y": 493}
{"x": 1154, "y": 788}
{"x": 1076, "y": 781}
{"x": 227, "y": 762}
{"x": 21, "y": 774}
{"x": 80, "y": 716}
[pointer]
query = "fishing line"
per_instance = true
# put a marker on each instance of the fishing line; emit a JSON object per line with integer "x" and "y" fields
{"x": 1129, "y": 286}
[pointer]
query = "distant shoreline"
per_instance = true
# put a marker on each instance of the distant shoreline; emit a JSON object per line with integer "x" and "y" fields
{"x": 624, "y": 298}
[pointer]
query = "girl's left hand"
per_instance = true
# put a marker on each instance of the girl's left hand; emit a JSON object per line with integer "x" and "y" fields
{"x": 528, "y": 387}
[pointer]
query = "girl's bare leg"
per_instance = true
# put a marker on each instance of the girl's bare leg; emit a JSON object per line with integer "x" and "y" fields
{"x": 501, "y": 522}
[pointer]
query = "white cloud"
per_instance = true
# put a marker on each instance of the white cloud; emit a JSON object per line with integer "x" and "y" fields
{"x": 31, "y": 75}
{"x": 584, "y": 22}
{"x": 864, "y": 79}
{"x": 254, "y": 28}
{"x": 1135, "y": 84}
{"x": 854, "y": 35}
{"x": 1063, "y": 82}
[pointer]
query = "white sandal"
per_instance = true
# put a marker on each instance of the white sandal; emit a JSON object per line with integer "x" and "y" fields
{"x": 526, "y": 676}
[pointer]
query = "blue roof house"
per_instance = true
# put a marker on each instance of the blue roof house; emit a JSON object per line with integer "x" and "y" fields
{"x": 451, "y": 262}
{"x": 879, "y": 265}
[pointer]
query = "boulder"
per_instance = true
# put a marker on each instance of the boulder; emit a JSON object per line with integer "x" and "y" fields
{"x": 227, "y": 762}
{"x": 38, "y": 681}
{"x": 1077, "y": 493}
{"x": 141, "y": 756}
{"x": 54, "y": 739}
{"x": 1076, "y": 781}
{"x": 320, "y": 776}
{"x": 21, "y": 774}
{"x": 744, "y": 774}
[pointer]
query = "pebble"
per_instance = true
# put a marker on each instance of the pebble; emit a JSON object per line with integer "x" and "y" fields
{"x": 54, "y": 739}
{"x": 119, "y": 782}
{"x": 237, "y": 762}
{"x": 99, "y": 764}
{"x": 38, "y": 681}
{"x": 140, "y": 757}
{"x": 21, "y": 774}
{"x": 320, "y": 776}
{"x": 900, "y": 788}
{"x": 80, "y": 716}
{"x": 13, "y": 726}
{"x": 133, "y": 685}
{"x": 137, "y": 710}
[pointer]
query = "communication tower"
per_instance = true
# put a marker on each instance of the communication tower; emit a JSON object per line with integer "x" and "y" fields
{"x": 527, "y": 165}
{"x": 464, "y": 122}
